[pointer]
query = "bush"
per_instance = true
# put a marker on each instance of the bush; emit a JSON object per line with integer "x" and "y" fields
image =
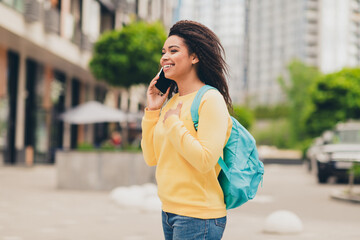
{"x": 334, "y": 98}
{"x": 85, "y": 147}
{"x": 271, "y": 112}
{"x": 244, "y": 115}
{"x": 273, "y": 133}
{"x": 107, "y": 146}
{"x": 300, "y": 77}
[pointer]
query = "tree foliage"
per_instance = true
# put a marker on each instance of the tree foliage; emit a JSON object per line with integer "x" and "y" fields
{"x": 334, "y": 98}
{"x": 301, "y": 77}
{"x": 271, "y": 112}
{"x": 244, "y": 115}
{"x": 128, "y": 56}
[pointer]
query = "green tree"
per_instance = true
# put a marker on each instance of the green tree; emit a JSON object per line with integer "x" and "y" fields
{"x": 128, "y": 56}
{"x": 334, "y": 98}
{"x": 244, "y": 115}
{"x": 354, "y": 172}
{"x": 301, "y": 77}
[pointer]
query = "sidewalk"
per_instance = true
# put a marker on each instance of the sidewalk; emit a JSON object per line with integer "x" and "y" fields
{"x": 342, "y": 196}
{"x": 31, "y": 208}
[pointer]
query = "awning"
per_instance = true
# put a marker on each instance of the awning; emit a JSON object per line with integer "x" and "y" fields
{"x": 95, "y": 112}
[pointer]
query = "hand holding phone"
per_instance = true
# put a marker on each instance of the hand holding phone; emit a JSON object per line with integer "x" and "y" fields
{"x": 163, "y": 83}
{"x": 156, "y": 99}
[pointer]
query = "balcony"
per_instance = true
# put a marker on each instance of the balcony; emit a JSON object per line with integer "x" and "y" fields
{"x": 85, "y": 42}
{"x": 52, "y": 21}
{"x": 37, "y": 30}
{"x": 311, "y": 39}
{"x": 32, "y": 11}
{"x": 355, "y": 17}
{"x": 37, "y": 11}
{"x": 312, "y": 15}
{"x": 355, "y": 5}
{"x": 312, "y": 29}
{"x": 312, "y": 51}
{"x": 80, "y": 39}
{"x": 312, "y": 61}
{"x": 313, "y": 5}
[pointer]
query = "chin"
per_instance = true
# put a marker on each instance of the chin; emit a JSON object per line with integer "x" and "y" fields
{"x": 167, "y": 75}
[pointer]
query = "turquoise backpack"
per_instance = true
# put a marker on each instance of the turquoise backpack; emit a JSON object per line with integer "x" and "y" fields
{"x": 242, "y": 171}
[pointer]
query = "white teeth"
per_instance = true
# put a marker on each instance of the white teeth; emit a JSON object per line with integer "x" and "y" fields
{"x": 167, "y": 66}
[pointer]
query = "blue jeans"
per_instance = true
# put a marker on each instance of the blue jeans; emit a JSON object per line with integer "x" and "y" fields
{"x": 178, "y": 227}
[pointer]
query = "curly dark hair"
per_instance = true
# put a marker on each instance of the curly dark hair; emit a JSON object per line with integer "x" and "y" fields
{"x": 212, "y": 67}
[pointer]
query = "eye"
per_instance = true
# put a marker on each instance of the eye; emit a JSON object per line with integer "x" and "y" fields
{"x": 173, "y": 51}
{"x": 162, "y": 53}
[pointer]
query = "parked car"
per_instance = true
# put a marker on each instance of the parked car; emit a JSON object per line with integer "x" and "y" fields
{"x": 334, "y": 152}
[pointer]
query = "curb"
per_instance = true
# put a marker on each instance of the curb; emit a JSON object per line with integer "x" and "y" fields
{"x": 339, "y": 195}
{"x": 289, "y": 161}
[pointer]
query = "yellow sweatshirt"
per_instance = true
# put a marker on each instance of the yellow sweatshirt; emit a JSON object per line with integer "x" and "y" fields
{"x": 186, "y": 159}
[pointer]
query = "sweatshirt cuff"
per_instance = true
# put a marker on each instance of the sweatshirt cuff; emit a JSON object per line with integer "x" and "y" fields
{"x": 151, "y": 114}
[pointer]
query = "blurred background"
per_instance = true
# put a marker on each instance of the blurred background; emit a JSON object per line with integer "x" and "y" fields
{"x": 74, "y": 73}
{"x": 56, "y": 55}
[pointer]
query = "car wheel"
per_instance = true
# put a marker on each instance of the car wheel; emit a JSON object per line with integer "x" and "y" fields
{"x": 322, "y": 177}
{"x": 308, "y": 165}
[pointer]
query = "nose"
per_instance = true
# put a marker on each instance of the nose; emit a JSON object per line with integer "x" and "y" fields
{"x": 164, "y": 57}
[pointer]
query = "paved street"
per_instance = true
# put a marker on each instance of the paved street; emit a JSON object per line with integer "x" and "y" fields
{"x": 31, "y": 208}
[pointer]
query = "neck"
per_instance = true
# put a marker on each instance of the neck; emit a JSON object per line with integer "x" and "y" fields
{"x": 189, "y": 84}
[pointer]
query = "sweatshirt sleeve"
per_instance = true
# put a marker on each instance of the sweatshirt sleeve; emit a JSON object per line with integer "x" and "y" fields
{"x": 147, "y": 143}
{"x": 204, "y": 150}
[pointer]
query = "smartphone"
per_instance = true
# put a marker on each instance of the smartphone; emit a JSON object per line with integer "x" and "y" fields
{"x": 163, "y": 83}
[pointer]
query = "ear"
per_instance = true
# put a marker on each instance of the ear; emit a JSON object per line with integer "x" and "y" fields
{"x": 195, "y": 59}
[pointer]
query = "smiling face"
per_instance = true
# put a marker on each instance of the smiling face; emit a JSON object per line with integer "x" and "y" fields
{"x": 176, "y": 60}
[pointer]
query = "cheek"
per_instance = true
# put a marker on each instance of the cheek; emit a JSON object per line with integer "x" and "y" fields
{"x": 182, "y": 59}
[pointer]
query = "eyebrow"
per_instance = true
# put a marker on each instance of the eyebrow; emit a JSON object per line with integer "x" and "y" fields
{"x": 171, "y": 46}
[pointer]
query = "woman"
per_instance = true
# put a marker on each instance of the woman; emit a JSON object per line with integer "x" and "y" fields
{"x": 192, "y": 199}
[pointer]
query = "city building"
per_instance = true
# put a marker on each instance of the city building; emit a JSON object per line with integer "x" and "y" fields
{"x": 45, "y": 47}
{"x": 277, "y": 34}
{"x": 227, "y": 19}
{"x": 339, "y": 34}
{"x": 321, "y": 33}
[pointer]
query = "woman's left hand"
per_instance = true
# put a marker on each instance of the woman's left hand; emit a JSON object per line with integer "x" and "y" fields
{"x": 175, "y": 111}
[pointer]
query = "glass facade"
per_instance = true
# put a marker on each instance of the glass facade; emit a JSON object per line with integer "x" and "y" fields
{"x": 49, "y": 103}
{"x": 4, "y": 114}
{"x": 57, "y": 89}
{"x": 44, "y": 102}
{"x": 41, "y": 143}
{"x": 4, "y": 100}
{"x": 9, "y": 103}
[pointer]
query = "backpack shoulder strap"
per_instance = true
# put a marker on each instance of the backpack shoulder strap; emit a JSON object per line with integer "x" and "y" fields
{"x": 224, "y": 167}
{"x": 195, "y": 117}
{"x": 196, "y": 103}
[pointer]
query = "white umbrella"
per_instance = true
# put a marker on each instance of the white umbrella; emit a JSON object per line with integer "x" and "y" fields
{"x": 93, "y": 112}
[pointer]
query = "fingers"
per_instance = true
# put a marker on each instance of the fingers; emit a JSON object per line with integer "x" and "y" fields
{"x": 175, "y": 111}
{"x": 167, "y": 93}
{"x": 153, "y": 81}
{"x": 178, "y": 108}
